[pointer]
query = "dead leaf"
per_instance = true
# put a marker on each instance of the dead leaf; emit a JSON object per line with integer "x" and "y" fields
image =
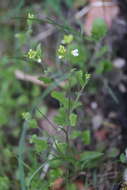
{"x": 58, "y": 184}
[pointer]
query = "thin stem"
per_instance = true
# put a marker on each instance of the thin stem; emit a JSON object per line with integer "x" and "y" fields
{"x": 79, "y": 94}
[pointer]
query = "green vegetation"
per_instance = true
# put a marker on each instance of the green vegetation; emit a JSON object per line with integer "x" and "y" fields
{"x": 32, "y": 158}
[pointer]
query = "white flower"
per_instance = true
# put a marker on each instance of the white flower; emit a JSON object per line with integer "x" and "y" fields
{"x": 119, "y": 63}
{"x": 62, "y": 42}
{"x": 39, "y": 60}
{"x": 75, "y": 52}
{"x": 60, "y": 56}
{"x": 94, "y": 105}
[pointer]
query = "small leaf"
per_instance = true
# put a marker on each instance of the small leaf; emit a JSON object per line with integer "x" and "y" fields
{"x": 58, "y": 95}
{"x": 23, "y": 99}
{"x": 4, "y": 183}
{"x": 40, "y": 144}
{"x": 76, "y": 104}
{"x": 73, "y": 119}
{"x": 33, "y": 123}
{"x": 55, "y": 173}
{"x": 41, "y": 112}
{"x": 90, "y": 159}
{"x": 90, "y": 155}
{"x": 33, "y": 138}
{"x": 39, "y": 51}
{"x": 61, "y": 118}
{"x": 71, "y": 186}
{"x": 62, "y": 147}
{"x": 99, "y": 29}
{"x": 102, "y": 51}
{"x": 46, "y": 80}
{"x": 86, "y": 137}
{"x": 55, "y": 163}
{"x": 70, "y": 3}
{"x": 123, "y": 158}
{"x": 103, "y": 66}
{"x": 79, "y": 75}
{"x": 75, "y": 134}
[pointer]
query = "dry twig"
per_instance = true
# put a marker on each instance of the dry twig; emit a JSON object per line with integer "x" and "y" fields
{"x": 34, "y": 79}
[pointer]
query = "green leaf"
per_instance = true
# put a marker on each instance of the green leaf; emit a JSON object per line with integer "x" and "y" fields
{"x": 99, "y": 29}
{"x": 40, "y": 144}
{"x": 103, "y": 66}
{"x": 4, "y": 183}
{"x": 73, "y": 81}
{"x": 102, "y": 51}
{"x": 123, "y": 158}
{"x": 41, "y": 112}
{"x": 79, "y": 75}
{"x": 3, "y": 116}
{"x": 69, "y": 3}
{"x": 107, "y": 65}
{"x": 73, "y": 119}
{"x": 75, "y": 134}
{"x": 90, "y": 159}
{"x": 23, "y": 99}
{"x": 90, "y": 155}
{"x": 66, "y": 102}
{"x": 54, "y": 5}
{"x": 71, "y": 186}
{"x": 46, "y": 80}
{"x": 86, "y": 137}
{"x": 39, "y": 51}
{"x": 33, "y": 138}
{"x": 55, "y": 163}
{"x": 55, "y": 173}
{"x": 62, "y": 147}
{"x": 62, "y": 117}
{"x": 33, "y": 123}
{"x": 59, "y": 96}
{"x": 76, "y": 105}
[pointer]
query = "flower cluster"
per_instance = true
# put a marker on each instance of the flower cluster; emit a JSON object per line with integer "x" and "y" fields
{"x": 35, "y": 54}
{"x": 31, "y": 16}
{"x": 62, "y": 50}
{"x": 32, "y": 54}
